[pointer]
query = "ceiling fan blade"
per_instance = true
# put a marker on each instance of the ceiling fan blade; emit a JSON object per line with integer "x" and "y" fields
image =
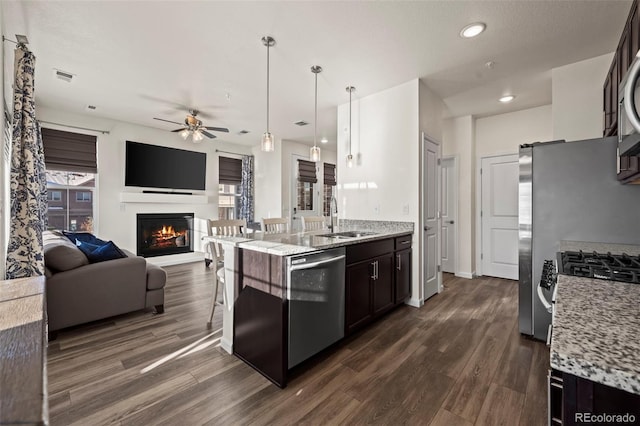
{"x": 168, "y": 121}
{"x": 207, "y": 134}
{"x": 178, "y": 130}
{"x": 218, "y": 129}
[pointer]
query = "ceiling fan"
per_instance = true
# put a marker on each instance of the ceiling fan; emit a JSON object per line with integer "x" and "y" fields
{"x": 193, "y": 127}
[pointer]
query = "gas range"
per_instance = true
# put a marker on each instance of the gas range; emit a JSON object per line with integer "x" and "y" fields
{"x": 604, "y": 266}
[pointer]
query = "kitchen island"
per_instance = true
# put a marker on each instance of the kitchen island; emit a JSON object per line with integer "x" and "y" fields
{"x": 256, "y": 313}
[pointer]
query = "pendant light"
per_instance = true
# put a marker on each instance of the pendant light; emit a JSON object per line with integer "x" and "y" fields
{"x": 350, "y": 89}
{"x": 314, "y": 153}
{"x": 267, "y": 143}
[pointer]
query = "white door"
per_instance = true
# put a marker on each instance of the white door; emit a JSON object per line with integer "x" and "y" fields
{"x": 499, "y": 216}
{"x": 304, "y": 195}
{"x": 430, "y": 187}
{"x": 449, "y": 171}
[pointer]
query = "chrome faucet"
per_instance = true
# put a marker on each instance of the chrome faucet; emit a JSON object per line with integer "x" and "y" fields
{"x": 333, "y": 214}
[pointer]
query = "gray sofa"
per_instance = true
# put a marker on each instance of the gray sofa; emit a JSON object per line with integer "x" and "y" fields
{"x": 78, "y": 291}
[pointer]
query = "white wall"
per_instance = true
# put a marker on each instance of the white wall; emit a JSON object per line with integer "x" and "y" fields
{"x": 115, "y": 220}
{"x": 576, "y": 93}
{"x": 386, "y": 177}
{"x": 504, "y": 133}
{"x": 268, "y": 182}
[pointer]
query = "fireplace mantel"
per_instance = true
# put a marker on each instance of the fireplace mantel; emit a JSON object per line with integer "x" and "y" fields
{"x": 139, "y": 197}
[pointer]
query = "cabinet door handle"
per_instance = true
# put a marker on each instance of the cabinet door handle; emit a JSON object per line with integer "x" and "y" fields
{"x": 373, "y": 270}
{"x": 399, "y": 262}
{"x": 377, "y": 269}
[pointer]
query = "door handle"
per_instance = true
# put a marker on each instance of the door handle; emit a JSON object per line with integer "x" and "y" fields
{"x": 373, "y": 272}
{"x": 399, "y": 262}
{"x": 427, "y": 228}
{"x": 376, "y": 269}
{"x": 451, "y": 222}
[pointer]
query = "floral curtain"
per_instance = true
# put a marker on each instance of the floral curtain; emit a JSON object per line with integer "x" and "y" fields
{"x": 246, "y": 191}
{"x": 27, "y": 182}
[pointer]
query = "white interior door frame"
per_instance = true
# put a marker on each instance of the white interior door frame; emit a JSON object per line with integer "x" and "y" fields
{"x": 422, "y": 243}
{"x": 454, "y": 214}
{"x": 479, "y": 207}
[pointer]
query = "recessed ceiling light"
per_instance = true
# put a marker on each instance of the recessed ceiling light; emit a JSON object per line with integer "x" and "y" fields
{"x": 507, "y": 98}
{"x": 473, "y": 30}
{"x": 324, "y": 140}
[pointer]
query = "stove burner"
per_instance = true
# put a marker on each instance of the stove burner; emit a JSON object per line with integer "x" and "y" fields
{"x": 615, "y": 267}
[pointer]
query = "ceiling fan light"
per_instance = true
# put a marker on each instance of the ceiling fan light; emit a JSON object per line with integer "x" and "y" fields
{"x": 267, "y": 144}
{"x": 197, "y": 136}
{"x": 185, "y": 134}
{"x": 314, "y": 153}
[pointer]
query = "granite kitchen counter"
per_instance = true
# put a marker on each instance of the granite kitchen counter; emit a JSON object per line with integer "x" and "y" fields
{"x": 595, "y": 331}
{"x": 632, "y": 250}
{"x": 306, "y": 242}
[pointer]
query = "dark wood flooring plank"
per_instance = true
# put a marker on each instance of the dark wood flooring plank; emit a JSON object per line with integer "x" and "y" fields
{"x": 447, "y": 418}
{"x": 502, "y": 407}
{"x": 535, "y": 407}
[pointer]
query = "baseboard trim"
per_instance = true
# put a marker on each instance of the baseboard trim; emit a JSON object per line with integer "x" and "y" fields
{"x": 416, "y": 303}
{"x": 226, "y": 345}
{"x": 466, "y": 275}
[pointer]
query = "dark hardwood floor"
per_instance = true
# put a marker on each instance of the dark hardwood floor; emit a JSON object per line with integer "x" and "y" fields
{"x": 459, "y": 360}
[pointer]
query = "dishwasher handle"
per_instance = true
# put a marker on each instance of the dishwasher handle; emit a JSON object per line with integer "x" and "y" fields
{"x": 314, "y": 264}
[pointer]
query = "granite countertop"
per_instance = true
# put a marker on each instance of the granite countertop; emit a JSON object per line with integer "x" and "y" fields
{"x": 632, "y": 250}
{"x": 595, "y": 331}
{"x": 306, "y": 242}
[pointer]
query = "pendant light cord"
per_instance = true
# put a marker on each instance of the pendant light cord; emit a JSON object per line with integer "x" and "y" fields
{"x": 350, "y": 90}
{"x": 268, "y": 86}
{"x": 315, "y": 126}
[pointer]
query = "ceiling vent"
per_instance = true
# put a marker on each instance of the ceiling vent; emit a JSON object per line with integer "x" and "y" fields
{"x": 301, "y": 123}
{"x": 64, "y": 75}
{"x": 243, "y": 132}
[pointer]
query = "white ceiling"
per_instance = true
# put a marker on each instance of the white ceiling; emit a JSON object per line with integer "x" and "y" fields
{"x": 137, "y": 60}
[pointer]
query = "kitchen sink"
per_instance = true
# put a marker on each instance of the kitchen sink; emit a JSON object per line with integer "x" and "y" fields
{"x": 349, "y": 234}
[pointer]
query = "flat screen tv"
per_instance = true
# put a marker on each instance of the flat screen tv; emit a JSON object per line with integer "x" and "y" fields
{"x": 154, "y": 166}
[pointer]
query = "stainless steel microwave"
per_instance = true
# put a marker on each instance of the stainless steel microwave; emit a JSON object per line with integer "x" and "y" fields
{"x": 628, "y": 106}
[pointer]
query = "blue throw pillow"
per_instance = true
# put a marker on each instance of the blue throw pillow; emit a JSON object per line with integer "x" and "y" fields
{"x": 86, "y": 248}
{"x": 101, "y": 253}
{"x": 85, "y": 237}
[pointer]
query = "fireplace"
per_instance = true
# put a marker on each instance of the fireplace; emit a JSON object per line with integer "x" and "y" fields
{"x": 164, "y": 233}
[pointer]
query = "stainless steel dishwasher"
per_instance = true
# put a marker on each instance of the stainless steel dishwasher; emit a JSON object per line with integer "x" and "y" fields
{"x": 316, "y": 295}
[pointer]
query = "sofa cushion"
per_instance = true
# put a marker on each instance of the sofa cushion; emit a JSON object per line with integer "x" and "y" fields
{"x": 100, "y": 253}
{"x": 156, "y": 277}
{"x": 60, "y": 254}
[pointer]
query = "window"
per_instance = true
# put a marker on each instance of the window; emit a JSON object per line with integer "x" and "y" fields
{"x": 71, "y": 167}
{"x": 228, "y": 201}
{"x": 306, "y": 179}
{"x": 83, "y": 197}
{"x": 329, "y": 187}
{"x": 55, "y": 195}
{"x": 70, "y": 196}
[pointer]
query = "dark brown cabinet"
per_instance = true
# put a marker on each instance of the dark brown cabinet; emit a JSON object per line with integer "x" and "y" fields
{"x": 382, "y": 284}
{"x": 403, "y": 275}
{"x": 378, "y": 277}
{"x": 625, "y": 53}
{"x": 358, "y": 295}
{"x": 574, "y": 401}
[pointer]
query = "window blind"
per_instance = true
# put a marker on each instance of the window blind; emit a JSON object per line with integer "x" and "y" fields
{"x": 230, "y": 171}
{"x": 307, "y": 171}
{"x": 330, "y": 174}
{"x": 70, "y": 152}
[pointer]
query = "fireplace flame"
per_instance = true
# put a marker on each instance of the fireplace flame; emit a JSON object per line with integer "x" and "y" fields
{"x": 168, "y": 230}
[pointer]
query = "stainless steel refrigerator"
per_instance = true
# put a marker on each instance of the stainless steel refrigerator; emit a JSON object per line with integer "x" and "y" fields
{"x": 568, "y": 191}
